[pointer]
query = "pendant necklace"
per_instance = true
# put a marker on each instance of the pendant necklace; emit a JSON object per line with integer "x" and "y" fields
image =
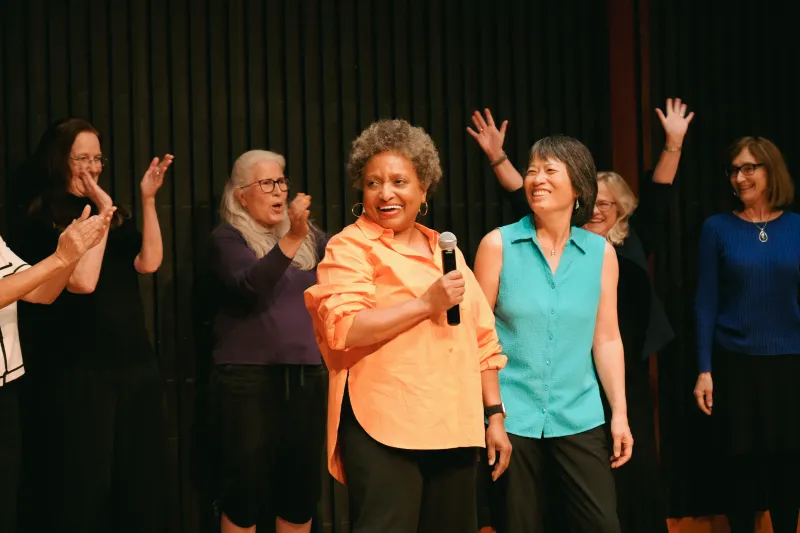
{"x": 762, "y": 235}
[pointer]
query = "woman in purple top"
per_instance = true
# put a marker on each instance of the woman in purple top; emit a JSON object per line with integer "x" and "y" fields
{"x": 269, "y": 380}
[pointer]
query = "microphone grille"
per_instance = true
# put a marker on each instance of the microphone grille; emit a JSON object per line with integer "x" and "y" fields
{"x": 447, "y": 241}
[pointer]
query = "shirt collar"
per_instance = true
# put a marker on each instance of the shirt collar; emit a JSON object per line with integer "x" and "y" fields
{"x": 526, "y": 230}
{"x": 374, "y": 231}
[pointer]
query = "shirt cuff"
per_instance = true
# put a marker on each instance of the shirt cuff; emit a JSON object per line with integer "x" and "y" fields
{"x": 494, "y": 362}
{"x": 337, "y": 330}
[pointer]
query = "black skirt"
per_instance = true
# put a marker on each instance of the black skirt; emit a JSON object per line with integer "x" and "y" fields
{"x": 756, "y": 403}
{"x": 641, "y": 502}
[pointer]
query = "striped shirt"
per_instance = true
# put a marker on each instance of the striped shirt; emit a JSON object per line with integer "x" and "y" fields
{"x": 10, "y": 352}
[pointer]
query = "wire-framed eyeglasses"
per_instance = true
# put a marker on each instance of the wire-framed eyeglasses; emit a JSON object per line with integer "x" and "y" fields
{"x": 604, "y": 206}
{"x": 85, "y": 160}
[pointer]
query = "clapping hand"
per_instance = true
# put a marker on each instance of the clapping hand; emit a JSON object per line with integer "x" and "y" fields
{"x": 82, "y": 234}
{"x": 153, "y": 178}
{"x": 90, "y": 189}
{"x": 298, "y": 216}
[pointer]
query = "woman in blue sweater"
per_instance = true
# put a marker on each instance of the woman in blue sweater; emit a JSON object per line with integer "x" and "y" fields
{"x": 748, "y": 327}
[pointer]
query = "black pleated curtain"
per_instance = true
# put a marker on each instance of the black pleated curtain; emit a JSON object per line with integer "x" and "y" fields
{"x": 207, "y": 80}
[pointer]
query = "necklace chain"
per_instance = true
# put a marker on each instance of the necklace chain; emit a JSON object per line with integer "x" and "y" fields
{"x": 555, "y": 247}
{"x": 762, "y": 234}
{"x": 552, "y": 250}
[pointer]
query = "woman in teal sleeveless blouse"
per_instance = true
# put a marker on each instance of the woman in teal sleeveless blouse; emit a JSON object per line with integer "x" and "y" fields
{"x": 553, "y": 287}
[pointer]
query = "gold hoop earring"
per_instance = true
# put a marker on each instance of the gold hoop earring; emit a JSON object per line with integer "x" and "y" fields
{"x": 353, "y": 209}
{"x": 426, "y": 209}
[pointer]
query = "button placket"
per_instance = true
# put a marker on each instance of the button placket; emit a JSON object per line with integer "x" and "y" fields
{"x": 548, "y": 371}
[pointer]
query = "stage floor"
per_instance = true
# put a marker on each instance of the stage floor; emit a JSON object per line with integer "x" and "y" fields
{"x": 711, "y": 524}
{"x": 715, "y": 524}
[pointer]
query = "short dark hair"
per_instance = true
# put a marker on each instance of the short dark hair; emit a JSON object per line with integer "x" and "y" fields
{"x": 400, "y": 137}
{"x": 780, "y": 188}
{"x": 580, "y": 168}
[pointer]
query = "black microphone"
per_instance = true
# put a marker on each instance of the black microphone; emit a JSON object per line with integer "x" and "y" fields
{"x": 447, "y": 242}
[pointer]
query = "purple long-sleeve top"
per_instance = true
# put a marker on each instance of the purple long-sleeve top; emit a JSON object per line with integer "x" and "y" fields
{"x": 261, "y": 317}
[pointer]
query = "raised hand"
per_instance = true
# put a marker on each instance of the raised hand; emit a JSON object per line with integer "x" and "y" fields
{"x": 675, "y": 122}
{"x": 153, "y": 178}
{"x": 298, "y": 216}
{"x": 444, "y": 293}
{"x": 82, "y": 234}
{"x": 488, "y": 136}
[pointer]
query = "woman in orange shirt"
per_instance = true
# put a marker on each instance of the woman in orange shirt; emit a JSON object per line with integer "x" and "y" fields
{"x": 407, "y": 390}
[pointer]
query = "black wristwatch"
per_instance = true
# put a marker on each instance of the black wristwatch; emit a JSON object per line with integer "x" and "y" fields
{"x": 494, "y": 410}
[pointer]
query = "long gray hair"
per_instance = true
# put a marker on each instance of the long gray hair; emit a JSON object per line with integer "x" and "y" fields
{"x": 261, "y": 239}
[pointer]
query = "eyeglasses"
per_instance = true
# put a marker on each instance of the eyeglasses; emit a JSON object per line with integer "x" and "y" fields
{"x": 89, "y": 160}
{"x": 268, "y": 185}
{"x": 604, "y": 206}
{"x": 748, "y": 169}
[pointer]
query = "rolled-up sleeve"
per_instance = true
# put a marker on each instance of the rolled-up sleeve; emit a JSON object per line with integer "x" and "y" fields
{"x": 344, "y": 287}
{"x": 490, "y": 352}
{"x": 489, "y": 349}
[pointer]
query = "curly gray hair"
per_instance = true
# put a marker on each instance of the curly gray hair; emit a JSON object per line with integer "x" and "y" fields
{"x": 400, "y": 137}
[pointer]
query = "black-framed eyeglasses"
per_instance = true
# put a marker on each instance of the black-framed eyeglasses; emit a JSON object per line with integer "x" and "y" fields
{"x": 604, "y": 206}
{"x": 748, "y": 169}
{"x": 268, "y": 184}
{"x": 89, "y": 160}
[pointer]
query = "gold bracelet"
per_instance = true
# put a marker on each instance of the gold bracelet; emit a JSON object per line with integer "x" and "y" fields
{"x": 672, "y": 149}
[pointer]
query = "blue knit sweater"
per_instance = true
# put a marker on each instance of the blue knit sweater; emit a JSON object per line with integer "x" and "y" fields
{"x": 748, "y": 291}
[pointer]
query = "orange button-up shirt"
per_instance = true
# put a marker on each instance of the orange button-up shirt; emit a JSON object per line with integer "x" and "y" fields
{"x": 420, "y": 390}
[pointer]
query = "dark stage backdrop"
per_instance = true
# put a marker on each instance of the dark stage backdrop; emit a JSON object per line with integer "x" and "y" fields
{"x": 207, "y": 80}
{"x": 734, "y": 64}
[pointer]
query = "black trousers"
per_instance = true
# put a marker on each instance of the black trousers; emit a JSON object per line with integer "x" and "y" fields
{"x": 100, "y": 448}
{"x": 10, "y": 451}
{"x": 574, "y": 469}
{"x": 406, "y": 491}
{"x": 271, "y": 422}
